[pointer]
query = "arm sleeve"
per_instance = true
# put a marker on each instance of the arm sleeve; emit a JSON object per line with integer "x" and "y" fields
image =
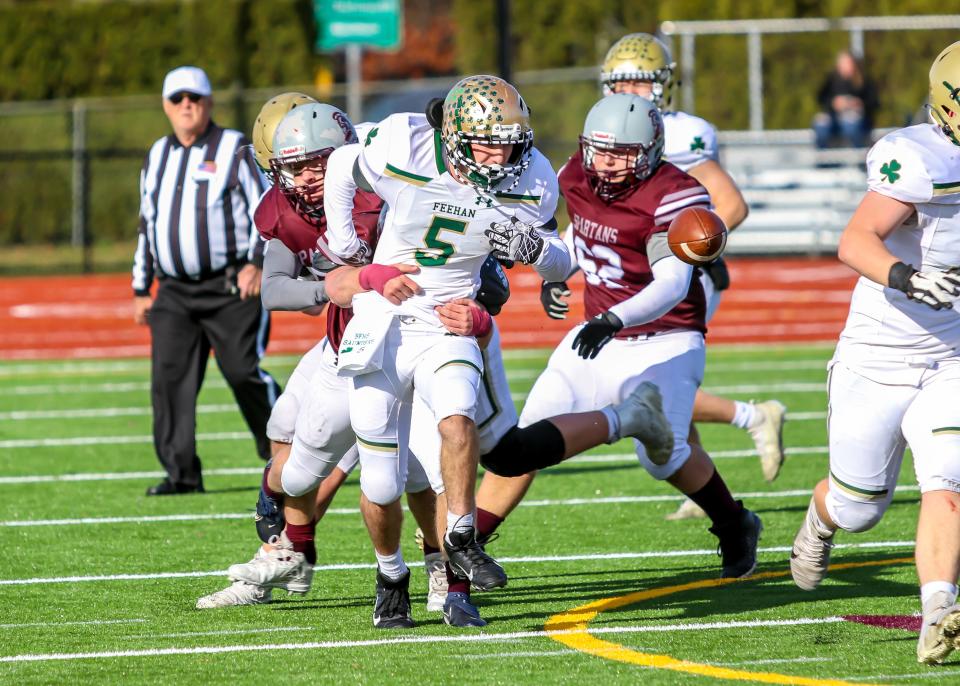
{"x": 568, "y": 237}
{"x": 143, "y": 258}
{"x": 280, "y": 288}
{"x": 896, "y": 169}
{"x": 252, "y": 184}
{"x": 339, "y": 188}
{"x": 671, "y": 281}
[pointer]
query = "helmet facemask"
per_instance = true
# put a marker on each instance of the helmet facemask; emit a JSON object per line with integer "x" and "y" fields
{"x": 612, "y": 184}
{"x": 486, "y": 110}
{"x": 284, "y": 171}
{"x": 489, "y": 176}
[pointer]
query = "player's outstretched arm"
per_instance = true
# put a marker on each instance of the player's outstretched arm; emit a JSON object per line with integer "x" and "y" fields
{"x": 390, "y": 281}
{"x": 726, "y": 197}
{"x": 671, "y": 281}
{"x": 862, "y": 248}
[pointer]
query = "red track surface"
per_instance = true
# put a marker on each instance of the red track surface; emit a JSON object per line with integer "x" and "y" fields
{"x": 775, "y": 301}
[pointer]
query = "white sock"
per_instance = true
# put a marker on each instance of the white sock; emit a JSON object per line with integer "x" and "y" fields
{"x": 930, "y": 588}
{"x": 613, "y": 422}
{"x": 745, "y": 414}
{"x": 823, "y": 531}
{"x": 459, "y": 523}
{"x": 392, "y": 566}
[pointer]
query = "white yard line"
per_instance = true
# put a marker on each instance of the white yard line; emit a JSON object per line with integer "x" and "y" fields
{"x": 405, "y": 640}
{"x": 138, "y": 411}
{"x": 565, "y": 502}
{"x": 146, "y": 411}
{"x": 227, "y": 632}
{"x": 131, "y": 386}
{"x": 350, "y": 566}
{"x": 112, "y": 440}
{"x": 118, "y": 476}
{"x": 568, "y": 502}
{"x": 235, "y": 471}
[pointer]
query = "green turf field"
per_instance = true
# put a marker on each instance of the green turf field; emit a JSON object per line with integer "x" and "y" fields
{"x": 98, "y": 582}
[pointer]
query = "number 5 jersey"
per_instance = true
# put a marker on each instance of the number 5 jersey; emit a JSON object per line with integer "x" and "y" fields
{"x": 436, "y": 223}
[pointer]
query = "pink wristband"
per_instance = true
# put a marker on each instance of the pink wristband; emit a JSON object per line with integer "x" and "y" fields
{"x": 482, "y": 322}
{"x": 374, "y": 277}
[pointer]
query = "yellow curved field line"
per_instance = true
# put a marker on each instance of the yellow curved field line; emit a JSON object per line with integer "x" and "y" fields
{"x": 575, "y": 625}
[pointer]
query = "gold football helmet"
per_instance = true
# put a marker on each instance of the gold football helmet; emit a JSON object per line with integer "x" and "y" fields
{"x": 640, "y": 57}
{"x": 945, "y": 92}
{"x": 266, "y": 124}
{"x": 486, "y": 109}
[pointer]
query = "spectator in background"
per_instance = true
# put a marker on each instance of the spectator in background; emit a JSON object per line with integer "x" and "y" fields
{"x": 199, "y": 188}
{"x": 848, "y": 101}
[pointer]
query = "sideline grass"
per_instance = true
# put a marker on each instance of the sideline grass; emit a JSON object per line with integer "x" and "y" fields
{"x": 124, "y": 618}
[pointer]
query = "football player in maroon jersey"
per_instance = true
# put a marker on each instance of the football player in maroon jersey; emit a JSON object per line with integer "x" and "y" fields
{"x": 646, "y": 312}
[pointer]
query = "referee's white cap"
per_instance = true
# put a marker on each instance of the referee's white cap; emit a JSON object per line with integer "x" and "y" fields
{"x": 189, "y": 79}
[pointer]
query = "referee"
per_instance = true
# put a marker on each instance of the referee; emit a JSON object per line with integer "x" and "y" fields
{"x": 199, "y": 188}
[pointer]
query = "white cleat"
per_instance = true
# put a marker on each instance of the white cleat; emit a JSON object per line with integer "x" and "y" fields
{"x": 687, "y": 510}
{"x": 810, "y": 556}
{"x": 436, "y": 581}
{"x": 939, "y": 631}
{"x": 236, "y": 594}
{"x": 281, "y": 567}
{"x": 767, "y": 436}
{"x": 641, "y": 416}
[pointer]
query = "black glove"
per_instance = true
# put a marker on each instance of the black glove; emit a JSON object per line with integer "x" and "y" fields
{"x": 552, "y": 294}
{"x": 935, "y": 289}
{"x": 596, "y": 334}
{"x": 717, "y": 272}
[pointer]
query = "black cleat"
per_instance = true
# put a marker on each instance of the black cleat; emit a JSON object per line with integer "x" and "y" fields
{"x": 738, "y": 544}
{"x": 468, "y": 559}
{"x": 392, "y": 610}
{"x": 167, "y": 487}
{"x": 458, "y": 611}
{"x": 269, "y": 517}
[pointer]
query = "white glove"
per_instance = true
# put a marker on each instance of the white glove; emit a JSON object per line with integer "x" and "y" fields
{"x": 936, "y": 289}
{"x": 514, "y": 241}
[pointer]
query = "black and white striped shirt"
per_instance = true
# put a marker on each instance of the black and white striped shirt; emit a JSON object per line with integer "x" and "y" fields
{"x": 196, "y": 208}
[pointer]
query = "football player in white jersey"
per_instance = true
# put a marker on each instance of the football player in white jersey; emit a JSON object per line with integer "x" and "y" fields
{"x": 308, "y": 425}
{"x": 475, "y": 188}
{"x": 895, "y": 376}
{"x": 640, "y": 64}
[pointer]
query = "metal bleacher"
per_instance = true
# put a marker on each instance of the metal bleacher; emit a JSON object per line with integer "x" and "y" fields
{"x": 800, "y": 198}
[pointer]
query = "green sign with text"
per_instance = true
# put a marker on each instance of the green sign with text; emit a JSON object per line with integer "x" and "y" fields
{"x": 373, "y": 23}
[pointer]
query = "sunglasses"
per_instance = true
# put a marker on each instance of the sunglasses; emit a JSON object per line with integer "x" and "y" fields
{"x": 177, "y": 98}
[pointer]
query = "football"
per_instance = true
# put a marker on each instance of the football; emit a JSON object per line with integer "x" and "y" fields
{"x": 697, "y": 236}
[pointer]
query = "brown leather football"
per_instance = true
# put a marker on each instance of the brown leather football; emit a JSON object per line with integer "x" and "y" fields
{"x": 697, "y": 236}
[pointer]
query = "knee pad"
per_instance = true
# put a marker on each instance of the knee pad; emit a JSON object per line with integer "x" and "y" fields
{"x": 521, "y": 451}
{"x": 681, "y": 453}
{"x": 283, "y": 419}
{"x": 454, "y": 390}
{"x": 855, "y": 515}
{"x": 306, "y": 468}
{"x": 381, "y": 486}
